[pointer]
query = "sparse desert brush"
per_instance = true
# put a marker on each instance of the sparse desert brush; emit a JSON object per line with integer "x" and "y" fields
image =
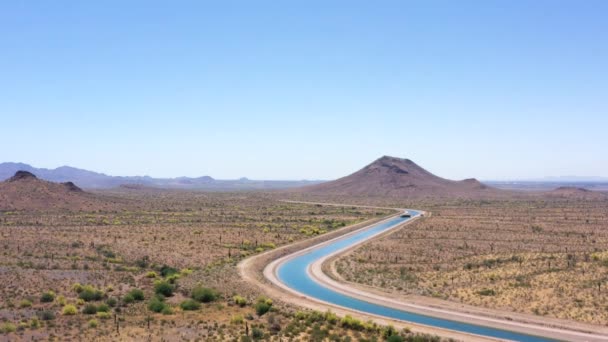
{"x": 89, "y": 309}
{"x": 164, "y": 288}
{"x": 185, "y": 271}
{"x": 7, "y": 328}
{"x": 151, "y": 274}
{"x": 89, "y": 293}
{"x": 157, "y": 304}
{"x": 351, "y": 323}
{"x": 25, "y": 303}
{"x": 93, "y": 323}
{"x": 77, "y": 287}
{"x": 69, "y": 310}
{"x": 137, "y": 294}
{"x": 34, "y": 323}
{"x": 240, "y": 301}
{"x": 46, "y": 315}
{"x": 47, "y": 297}
{"x": 237, "y": 319}
{"x": 190, "y": 305}
{"x": 263, "y": 305}
{"x": 204, "y": 294}
{"x": 103, "y": 315}
{"x": 112, "y": 302}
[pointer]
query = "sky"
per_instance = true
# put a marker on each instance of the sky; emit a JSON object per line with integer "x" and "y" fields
{"x": 306, "y": 89}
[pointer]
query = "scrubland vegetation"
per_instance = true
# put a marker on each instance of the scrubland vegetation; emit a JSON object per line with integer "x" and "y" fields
{"x": 548, "y": 258}
{"x": 164, "y": 272}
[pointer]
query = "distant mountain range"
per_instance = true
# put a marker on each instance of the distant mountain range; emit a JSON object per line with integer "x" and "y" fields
{"x": 95, "y": 180}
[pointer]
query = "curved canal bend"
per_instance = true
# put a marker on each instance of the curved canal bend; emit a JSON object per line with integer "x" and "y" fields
{"x": 294, "y": 273}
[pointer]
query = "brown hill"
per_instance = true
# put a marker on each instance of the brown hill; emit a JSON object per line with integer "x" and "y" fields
{"x": 24, "y": 191}
{"x": 570, "y": 192}
{"x": 396, "y": 177}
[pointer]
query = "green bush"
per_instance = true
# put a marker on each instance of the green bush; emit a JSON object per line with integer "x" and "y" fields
{"x": 7, "y": 328}
{"x": 103, "y": 308}
{"x": 162, "y": 287}
{"x": 111, "y": 302}
{"x": 46, "y": 315}
{"x": 395, "y": 338}
{"x": 103, "y": 315}
{"x": 240, "y": 301}
{"x": 89, "y": 309}
{"x": 137, "y": 294}
{"x": 263, "y": 305}
{"x": 89, "y": 294}
{"x": 128, "y": 298}
{"x": 25, "y": 303}
{"x": 190, "y": 305}
{"x": 204, "y": 294}
{"x": 47, "y": 297}
{"x": 257, "y": 333}
{"x": 93, "y": 323}
{"x": 261, "y": 308}
{"x": 352, "y": 323}
{"x": 486, "y": 292}
{"x": 156, "y": 305}
{"x": 166, "y": 271}
{"x": 69, "y": 310}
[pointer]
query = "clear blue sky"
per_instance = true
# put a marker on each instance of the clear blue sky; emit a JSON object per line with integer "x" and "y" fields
{"x": 306, "y": 89}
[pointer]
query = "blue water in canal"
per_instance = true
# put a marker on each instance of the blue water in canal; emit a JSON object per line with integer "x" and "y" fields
{"x": 294, "y": 274}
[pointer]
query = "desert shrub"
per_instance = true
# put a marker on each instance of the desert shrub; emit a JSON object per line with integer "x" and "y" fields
{"x": 47, "y": 297}
{"x": 46, "y": 315}
{"x": 7, "y": 327}
{"x": 257, "y": 333}
{"x": 388, "y": 331}
{"x": 156, "y": 304}
{"x": 77, "y": 287}
{"x": 166, "y": 271}
{"x": 204, "y": 294}
{"x": 111, "y": 302}
{"x": 162, "y": 287}
{"x": 237, "y": 319}
{"x": 185, "y": 272}
{"x": 137, "y": 294}
{"x": 351, "y": 323}
{"x": 172, "y": 279}
{"x": 395, "y": 338}
{"x": 151, "y": 274}
{"x": 190, "y": 305}
{"x": 261, "y": 308}
{"x": 103, "y": 315}
{"x": 34, "y": 323}
{"x": 61, "y": 300}
{"x": 89, "y": 309}
{"x": 486, "y": 292}
{"x": 69, "y": 310}
{"x": 128, "y": 298}
{"x": 331, "y": 317}
{"x": 103, "y": 308}
{"x": 25, "y": 303}
{"x": 93, "y": 323}
{"x": 89, "y": 294}
{"x": 240, "y": 301}
{"x": 167, "y": 310}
